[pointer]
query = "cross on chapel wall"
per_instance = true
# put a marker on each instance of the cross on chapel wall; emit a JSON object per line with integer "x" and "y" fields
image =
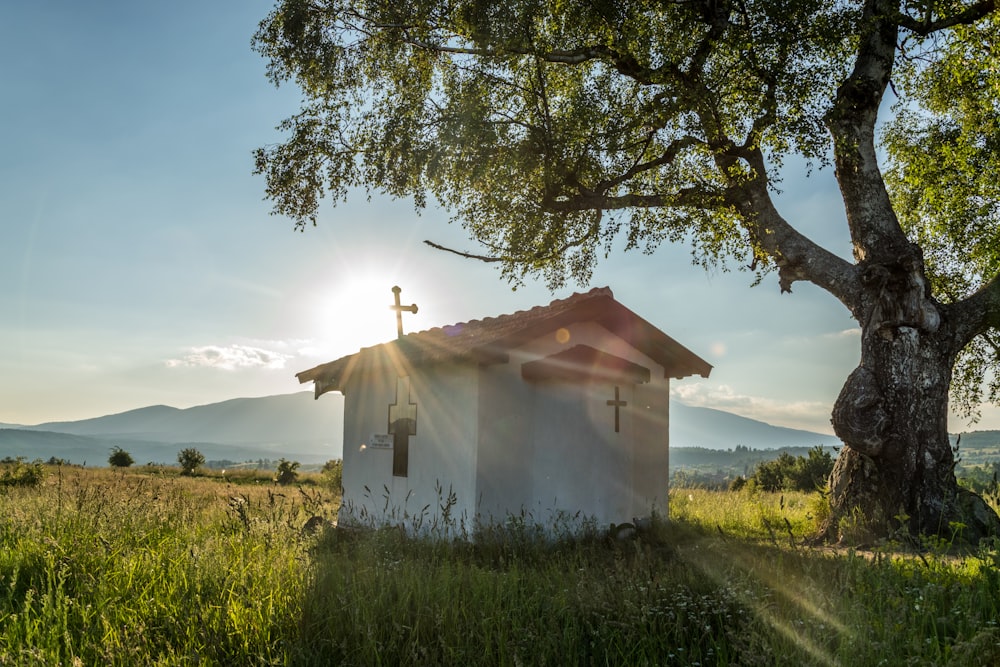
{"x": 617, "y": 403}
{"x": 402, "y": 424}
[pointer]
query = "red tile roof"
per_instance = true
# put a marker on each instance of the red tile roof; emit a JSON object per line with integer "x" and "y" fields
{"x": 487, "y": 341}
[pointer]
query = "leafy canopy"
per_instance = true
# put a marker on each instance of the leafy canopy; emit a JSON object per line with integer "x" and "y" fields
{"x": 554, "y": 130}
{"x": 944, "y": 172}
{"x": 531, "y": 121}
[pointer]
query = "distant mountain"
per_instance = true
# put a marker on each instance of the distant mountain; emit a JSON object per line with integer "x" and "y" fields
{"x": 717, "y": 429}
{"x": 977, "y": 440}
{"x": 94, "y": 450}
{"x": 296, "y": 427}
{"x": 283, "y": 420}
{"x": 15, "y": 442}
{"x": 293, "y": 426}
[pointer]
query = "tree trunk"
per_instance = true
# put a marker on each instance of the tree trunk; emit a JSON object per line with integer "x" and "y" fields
{"x": 896, "y": 474}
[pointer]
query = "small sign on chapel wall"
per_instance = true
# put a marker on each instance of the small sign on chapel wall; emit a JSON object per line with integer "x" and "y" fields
{"x": 380, "y": 441}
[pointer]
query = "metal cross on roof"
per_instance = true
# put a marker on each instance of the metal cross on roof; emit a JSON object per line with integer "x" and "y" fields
{"x": 412, "y": 308}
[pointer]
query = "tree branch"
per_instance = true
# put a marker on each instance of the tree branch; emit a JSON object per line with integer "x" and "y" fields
{"x": 624, "y": 63}
{"x": 669, "y": 154}
{"x": 595, "y": 228}
{"x": 992, "y": 343}
{"x": 925, "y": 26}
{"x": 872, "y": 221}
{"x": 796, "y": 256}
{"x": 977, "y": 314}
{"x": 586, "y": 201}
{"x": 467, "y": 255}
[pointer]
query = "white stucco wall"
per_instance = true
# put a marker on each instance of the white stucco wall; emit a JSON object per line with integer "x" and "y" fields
{"x": 581, "y": 468}
{"x": 549, "y": 449}
{"x": 651, "y": 456}
{"x": 506, "y": 445}
{"x": 442, "y": 454}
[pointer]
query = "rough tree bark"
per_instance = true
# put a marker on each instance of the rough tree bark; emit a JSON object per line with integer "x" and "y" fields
{"x": 896, "y": 473}
{"x": 897, "y": 469}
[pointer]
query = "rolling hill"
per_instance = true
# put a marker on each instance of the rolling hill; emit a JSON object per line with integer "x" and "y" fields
{"x": 296, "y": 427}
{"x": 293, "y": 426}
{"x": 717, "y": 429}
{"x": 280, "y": 421}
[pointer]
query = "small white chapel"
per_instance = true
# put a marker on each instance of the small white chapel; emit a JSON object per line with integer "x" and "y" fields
{"x": 559, "y": 413}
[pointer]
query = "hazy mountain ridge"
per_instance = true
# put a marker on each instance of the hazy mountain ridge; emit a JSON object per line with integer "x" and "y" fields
{"x": 977, "y": 440}
{"x": 297, "y": 427}
{"x": 148, "y": 420}
{"x": 281, "y": 420}
{"x": 293, "y": 426}
{"x": 18, "y": 441}
{"x": 717, "y": 429}
{"x": 94, "y": 450}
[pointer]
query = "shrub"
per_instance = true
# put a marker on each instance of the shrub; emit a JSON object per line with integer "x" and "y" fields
{"x": 333, "y": 474}
{"x": 811, "y": 472}
{"x": 120, "y": 458}
{"x": 794, "y": 473}
{"x": 770, "y": 475}
{"x": 286, "y": 471}
{"x": 819, "y": 509}
{"x": 190, "y": 460}
{"x": 18, "y": 472}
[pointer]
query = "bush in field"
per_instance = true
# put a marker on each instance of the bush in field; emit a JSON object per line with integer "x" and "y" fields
{"x": 770, "y": 475}
{"x": 18, "y": 472}
{"x": 287, "y": 471}
{"x": 811, "y": 472}
{"x": 981, "y": 479}
{"x": 333, "y": 473}
{"x": 794, "y": 473}
{"x": 190, "y": 459}
{"x": 120, "y": 458}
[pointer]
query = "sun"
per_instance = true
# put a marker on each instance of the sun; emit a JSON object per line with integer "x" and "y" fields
{"x": 355, "y": 312}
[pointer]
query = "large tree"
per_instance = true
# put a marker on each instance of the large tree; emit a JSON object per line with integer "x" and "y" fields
{"x": 552, "y": 128}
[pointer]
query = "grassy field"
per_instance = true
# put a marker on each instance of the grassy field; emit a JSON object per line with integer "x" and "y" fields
{"x": 105, "y": 567}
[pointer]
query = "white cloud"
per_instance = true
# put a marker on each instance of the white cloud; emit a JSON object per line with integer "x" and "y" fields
{"x": 313, "y": 349}
{"x": 809, "y": 415}
{"x": 853, "y": 332}
{"x": 230, "y": 357}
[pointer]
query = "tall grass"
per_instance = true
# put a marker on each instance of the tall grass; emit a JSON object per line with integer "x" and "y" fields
{"x": 103, "y": 567}
{"x": 750, "y": 514}
{"x": 115, "y": 568}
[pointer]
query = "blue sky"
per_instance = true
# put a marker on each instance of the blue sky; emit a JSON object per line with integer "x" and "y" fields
{"x": 139, "y": 264}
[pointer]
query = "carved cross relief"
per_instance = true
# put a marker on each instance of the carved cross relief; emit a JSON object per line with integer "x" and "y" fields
{"x": 402, "y": 424}
{"x": 617, "y": 403}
